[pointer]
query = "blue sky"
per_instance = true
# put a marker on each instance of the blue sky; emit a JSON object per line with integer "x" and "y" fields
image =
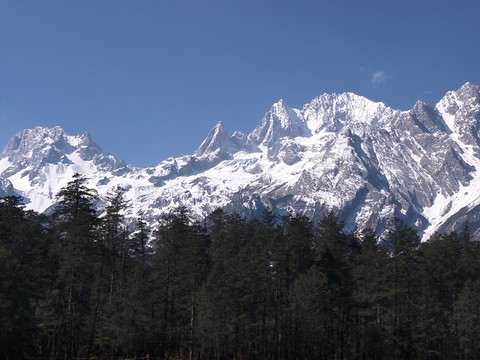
{"x": 148, "y": 79}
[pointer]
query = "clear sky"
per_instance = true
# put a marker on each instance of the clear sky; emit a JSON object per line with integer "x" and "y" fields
{"x": 148, "y": 79}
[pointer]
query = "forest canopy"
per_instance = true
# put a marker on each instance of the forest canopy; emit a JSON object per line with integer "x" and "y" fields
{"x": 76, "y": 284}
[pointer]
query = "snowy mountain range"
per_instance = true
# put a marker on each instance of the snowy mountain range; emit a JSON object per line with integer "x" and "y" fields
{"x": 340, "y": 152}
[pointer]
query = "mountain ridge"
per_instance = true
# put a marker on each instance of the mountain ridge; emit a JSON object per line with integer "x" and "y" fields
{"x": 362, "y": 159}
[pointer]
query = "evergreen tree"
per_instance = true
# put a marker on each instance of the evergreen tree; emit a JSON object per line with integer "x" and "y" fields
{"x": 402, "y": 289}
{"x": 75, "y": 224}
{"x": 139, "y": 333}
{"x": 442, "y": 279}
{"x": 221, "y": 297}
{"x": 369, "y": 294}
{"x": 140, "y": 249}
{"x": 466, "y": 320}
{"x": 334, "y": 252}
{"x": 249, "y": 273}
{"x": 295, "y": 255}
{"x": 24, "y": 246}
{"x": 268, "y": 237}
{"x": 309, "y": 306}
{"x": 110, "y": 286}
{"x": 180, "y": 267}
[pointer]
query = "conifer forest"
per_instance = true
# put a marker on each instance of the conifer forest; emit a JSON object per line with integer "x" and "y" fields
{"x": 80, "y": 283}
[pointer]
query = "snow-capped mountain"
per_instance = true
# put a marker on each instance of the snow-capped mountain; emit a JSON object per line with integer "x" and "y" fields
{"x": 362, "y": 159}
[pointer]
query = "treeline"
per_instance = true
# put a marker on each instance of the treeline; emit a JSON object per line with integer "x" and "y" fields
{"x": 78, "y": 285}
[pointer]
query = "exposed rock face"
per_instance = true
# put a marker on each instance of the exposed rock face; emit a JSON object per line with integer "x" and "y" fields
{"x": 343, "y": 152}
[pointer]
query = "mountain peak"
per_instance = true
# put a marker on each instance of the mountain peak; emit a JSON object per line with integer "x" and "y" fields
{"x": 40, "y": 146}
{"x": 331, "y": 112}
{"x": 215, "y": 139}
{"x": 37, "y": 144}
{"x": 280, "y": 104}
{"x": 466, "y": 92}
{"x": 279, "y": 121}
{"x": 85, "y": 138}
{"x": 469, "y": 91}
{"x": 466, "y": 99}
{"x": 469, "y": 86}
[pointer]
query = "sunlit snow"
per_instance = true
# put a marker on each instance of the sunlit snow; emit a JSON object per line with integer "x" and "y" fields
{"x": 342, "y": 152}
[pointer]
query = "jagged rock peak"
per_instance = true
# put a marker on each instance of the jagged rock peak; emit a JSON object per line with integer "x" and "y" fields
{"x": 85, "y": 139}
{"x": 460, "y": 109}
{"x": 279, "y": 121}
{"x": 279, "y": 107}
{"x": 421, "y": 107}
{"x": 422, "y": 117}
{"x": 29, "y": 142}
{"x": 41, "y": 137}
{"x": 43, "y": 145}
{"x": 467, "y": 92}
{"x": 331, "y": 112}
{"x": 215, "y": 139}
{"x": 339, "y": 101}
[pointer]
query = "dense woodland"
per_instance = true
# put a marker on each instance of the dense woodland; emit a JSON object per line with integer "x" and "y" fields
{"x": 79, "y": 285}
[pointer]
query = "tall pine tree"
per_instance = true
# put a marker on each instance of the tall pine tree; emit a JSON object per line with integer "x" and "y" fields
{"x": 75, "y": 223}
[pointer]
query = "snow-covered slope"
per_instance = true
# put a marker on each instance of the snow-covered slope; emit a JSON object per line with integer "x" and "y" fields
{"x": 344, "y": 152}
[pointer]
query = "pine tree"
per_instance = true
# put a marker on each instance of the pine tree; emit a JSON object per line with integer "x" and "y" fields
{"x": 369, "y": 294}
{"x": 115, "y": 237}
{"x": 309, "y": 304}
{"x": 24, "y": 247}
{"x": 139, "y": 334}
{"x": 402, "y": 292}
{"x": 75, "y": 224}
{"x": 139, "y": 247}
{"x": 180, "y": 267}
{"x": 295, "y": 256}
{"x": 466, "y": 320}
{"x": 232, "y": 310}
{"x": 110, "y": 287}
{"x": 334, "y": 253}
{"x": 442, "y": 279}
{"x": 267, "y": 238}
